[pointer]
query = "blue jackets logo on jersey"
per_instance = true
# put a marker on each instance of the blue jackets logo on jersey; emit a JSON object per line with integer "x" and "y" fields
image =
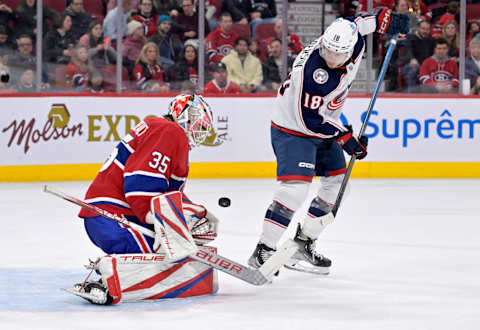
{"x": 320, "y": 76}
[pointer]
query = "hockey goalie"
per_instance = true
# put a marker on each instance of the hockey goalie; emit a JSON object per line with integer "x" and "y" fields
{"x": 143, "y": 181}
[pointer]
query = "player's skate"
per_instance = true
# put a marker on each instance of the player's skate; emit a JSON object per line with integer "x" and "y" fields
{"x": 260, "y": 255}
{"x": 93, "y": 291}
{"x": 306, "y": 259}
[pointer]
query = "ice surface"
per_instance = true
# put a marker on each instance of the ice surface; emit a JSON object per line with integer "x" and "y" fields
{"x": 406, "y": 255}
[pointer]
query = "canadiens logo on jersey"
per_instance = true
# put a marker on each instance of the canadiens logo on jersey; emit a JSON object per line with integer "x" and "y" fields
{"x": 320, "y": 76}
{"x": 224, "y": 50}
{"x": 442, "y": 76}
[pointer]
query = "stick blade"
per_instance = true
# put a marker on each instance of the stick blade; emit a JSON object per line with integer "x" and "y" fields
{"x": 278, "y": 259}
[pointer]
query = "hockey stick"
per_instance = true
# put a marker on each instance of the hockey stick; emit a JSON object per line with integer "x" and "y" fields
{"x": 386, "y": 61}
{"x": 258, "y": 276}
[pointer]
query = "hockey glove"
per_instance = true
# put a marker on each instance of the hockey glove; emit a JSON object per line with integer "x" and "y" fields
{"x": 351, "y": 144}
{"x": 392, "y": 23}
{"x": 202, "y": 223}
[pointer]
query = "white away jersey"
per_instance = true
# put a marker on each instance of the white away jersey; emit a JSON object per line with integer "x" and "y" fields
{"x": 311, "y": 99}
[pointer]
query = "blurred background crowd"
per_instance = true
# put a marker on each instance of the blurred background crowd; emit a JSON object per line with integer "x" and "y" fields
{"x": 160, "y": 44}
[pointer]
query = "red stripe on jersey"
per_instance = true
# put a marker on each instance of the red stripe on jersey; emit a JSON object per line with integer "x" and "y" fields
{"x": 289, "y": 131}
{"x": 294, "y": 177}
{"x": 141, "y": 240}
{"x": 337, "y": 172}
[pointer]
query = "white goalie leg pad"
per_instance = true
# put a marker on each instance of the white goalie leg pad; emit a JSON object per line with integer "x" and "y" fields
{"x": 171, "y": 228}
{"x": 133, "y": 277}
{"x": 329, "y": 187}
{"x": 291, "y": 194}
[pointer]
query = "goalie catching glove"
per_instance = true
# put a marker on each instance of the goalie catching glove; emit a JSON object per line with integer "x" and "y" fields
{"x": 201, "y": 222}
{"x": 351, "y": 144}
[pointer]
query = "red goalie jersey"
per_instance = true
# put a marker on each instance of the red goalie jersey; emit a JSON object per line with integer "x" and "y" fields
{"x": 152, "y": 159}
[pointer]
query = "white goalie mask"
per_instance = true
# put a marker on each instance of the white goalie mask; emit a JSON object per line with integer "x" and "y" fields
{"x": 194, "y": 115}
{"x": 338, "y": 42}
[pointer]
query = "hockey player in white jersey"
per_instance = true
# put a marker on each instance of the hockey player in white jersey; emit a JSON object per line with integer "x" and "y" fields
{"x": 308, "y": 137}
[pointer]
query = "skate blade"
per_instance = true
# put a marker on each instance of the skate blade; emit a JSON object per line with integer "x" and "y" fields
{"x": 299, "y": 267}
{"x": 76, "y": 293}
{"x": 87, "y": 296}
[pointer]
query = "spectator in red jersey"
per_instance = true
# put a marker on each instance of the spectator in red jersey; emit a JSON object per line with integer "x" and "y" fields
{"x": 78, "y": 70}
{"x": 80, "y": 18}
{"x": 132, "y": 45}
{"x": 271, "y": 66}
{"x": 220, "y": 83}
{"x": 99, "y": 48}
{"x": 243, "y": 68}
{"x": 451, "y": 35}
{"x": 168, "y": 43}
{"x": 450, "y": 15}
{"x": 439, "y": 73}
{"x": 148, "y": 66}
{"x": 221, "y": 41}
{"x": 186, "y": 23}
{"x": 293, "y": 41}
{"x": 58, "y": 43}
{"x": 147, "y": 17}
{"x": 186, "y": 68}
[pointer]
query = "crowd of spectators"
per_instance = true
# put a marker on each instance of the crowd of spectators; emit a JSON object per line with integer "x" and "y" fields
{"x": 426, "y": 60}
{"x": 159, "y": 46}
{"x": 243, "y": 46}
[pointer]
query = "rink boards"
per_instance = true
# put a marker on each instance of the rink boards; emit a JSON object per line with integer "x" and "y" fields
{"x": 67, "y": 137}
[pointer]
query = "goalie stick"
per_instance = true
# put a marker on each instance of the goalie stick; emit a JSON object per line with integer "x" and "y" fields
{"x": 258, "y": 276}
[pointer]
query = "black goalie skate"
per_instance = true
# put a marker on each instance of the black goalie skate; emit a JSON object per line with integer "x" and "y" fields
{"x": 95, "y": 292}
{"x": 306, "y": 259}
{"x": 260, "y": 255}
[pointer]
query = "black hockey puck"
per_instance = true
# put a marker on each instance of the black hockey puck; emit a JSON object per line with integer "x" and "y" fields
{"x": 224, "y": 202}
